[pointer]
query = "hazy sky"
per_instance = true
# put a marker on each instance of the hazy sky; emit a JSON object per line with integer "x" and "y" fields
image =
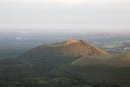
{"x": 63, "y": 15}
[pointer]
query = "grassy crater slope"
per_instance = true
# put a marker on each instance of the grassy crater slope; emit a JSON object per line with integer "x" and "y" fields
{"x": 117, "y": 60}
{"x": 69, "y": 48}
{"x": 53, "y": 55}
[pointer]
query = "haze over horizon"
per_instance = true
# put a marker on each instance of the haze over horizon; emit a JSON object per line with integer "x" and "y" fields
{"x": 65, "y": 15}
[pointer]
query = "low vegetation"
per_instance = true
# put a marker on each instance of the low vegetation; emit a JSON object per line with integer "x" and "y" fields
{"x": 61, "y": 66}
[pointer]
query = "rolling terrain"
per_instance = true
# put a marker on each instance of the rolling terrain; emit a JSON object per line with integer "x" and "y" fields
{"x": 72, "y": 63}
{"x": 117, "y": 60}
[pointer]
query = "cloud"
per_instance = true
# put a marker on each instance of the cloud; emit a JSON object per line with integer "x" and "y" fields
{"x": 29, "y": 14}
{"x": 72, "y": 2}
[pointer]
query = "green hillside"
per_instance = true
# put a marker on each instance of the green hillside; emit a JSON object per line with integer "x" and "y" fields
{"x": 72, "y": 63}
{"x": 56, "y": 54}
{"x": 69, "y": 48}
{"x": 117, "y": 60}
{"x": 108, "y": 76}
